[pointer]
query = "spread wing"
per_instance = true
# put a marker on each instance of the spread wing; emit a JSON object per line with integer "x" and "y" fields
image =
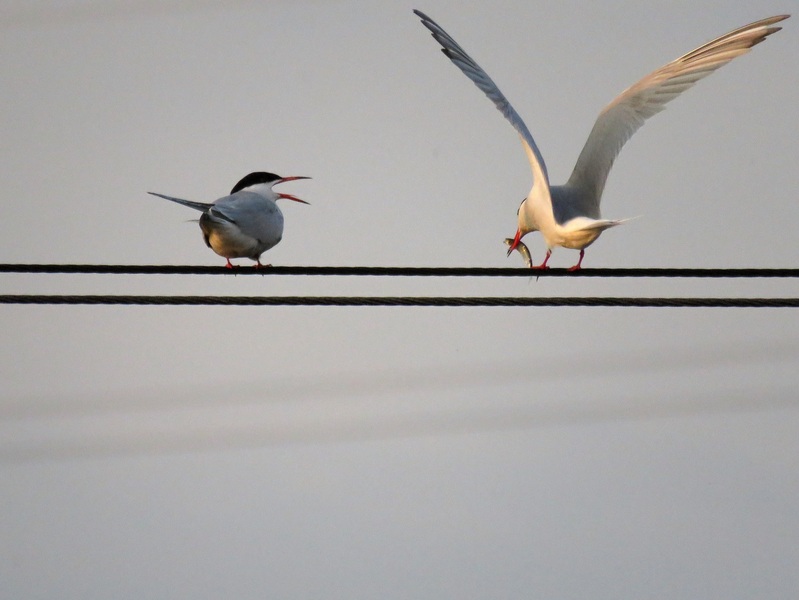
{"x": 627, "y": 113}
{"x": 472, "y": 70}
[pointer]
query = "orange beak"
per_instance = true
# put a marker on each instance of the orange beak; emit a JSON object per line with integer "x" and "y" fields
{"x": 289, "y": 196}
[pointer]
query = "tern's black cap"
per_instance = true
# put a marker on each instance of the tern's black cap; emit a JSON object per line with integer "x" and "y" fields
{"x": 255, "y": 179}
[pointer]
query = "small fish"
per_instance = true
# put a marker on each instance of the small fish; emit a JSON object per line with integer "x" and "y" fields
{"x": 522, "y": 250}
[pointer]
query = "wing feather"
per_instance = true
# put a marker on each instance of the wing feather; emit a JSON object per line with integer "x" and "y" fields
{"x": 473, "y": 71}
{"x": 627, "y": 113}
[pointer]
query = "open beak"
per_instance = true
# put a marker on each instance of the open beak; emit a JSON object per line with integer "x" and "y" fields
{"x": 289, "y": 196}
{"x": 516, "y": 241}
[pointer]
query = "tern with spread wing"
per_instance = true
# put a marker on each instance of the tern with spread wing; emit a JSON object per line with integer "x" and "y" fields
{"x": 568, "y": 215}
{"x": 246, "y": 223}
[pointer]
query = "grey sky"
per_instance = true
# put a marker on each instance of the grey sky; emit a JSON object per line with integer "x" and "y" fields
{"x": 392, "y": 453}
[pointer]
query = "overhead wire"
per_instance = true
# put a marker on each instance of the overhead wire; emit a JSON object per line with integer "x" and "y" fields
{"x": 418, "y": 301}
{"x": 396, "y": 271}
{"x": 428, "y": 272}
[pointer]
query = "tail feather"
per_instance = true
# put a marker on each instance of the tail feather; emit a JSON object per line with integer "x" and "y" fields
{"x": 603, "y": 224}
{"x": 201, "y": 206}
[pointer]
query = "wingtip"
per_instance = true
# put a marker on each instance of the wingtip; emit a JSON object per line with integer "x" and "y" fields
{"x": 426, "y": 21}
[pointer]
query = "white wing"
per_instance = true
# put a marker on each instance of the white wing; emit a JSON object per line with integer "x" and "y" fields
{"x": 472, "y": 70}
{"x": 627, "y": 113}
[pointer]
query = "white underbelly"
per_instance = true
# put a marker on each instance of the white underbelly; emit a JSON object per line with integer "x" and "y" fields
{"x": 577, "y": 240}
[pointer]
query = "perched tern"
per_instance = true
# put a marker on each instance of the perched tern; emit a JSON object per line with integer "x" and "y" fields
{"x": 568, "y": 215}
{"x": 246, "y": 223}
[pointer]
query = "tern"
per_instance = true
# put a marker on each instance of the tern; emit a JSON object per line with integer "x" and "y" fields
{"x": 568, "y": 215}
{"x": 246, "y": 223}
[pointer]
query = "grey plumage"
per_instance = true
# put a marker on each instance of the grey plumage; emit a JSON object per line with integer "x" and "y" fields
{"x": 246, "y": 223}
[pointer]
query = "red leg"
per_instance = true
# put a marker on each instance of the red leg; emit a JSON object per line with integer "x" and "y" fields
{"x": 228, "y": 265}
{"x": 543, "y": 265}
{"x": 577, "y": 267}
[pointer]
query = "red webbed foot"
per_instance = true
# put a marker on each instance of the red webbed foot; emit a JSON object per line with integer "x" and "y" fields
{"x": 543, "y": 265}
{"x": 578, "y": 266}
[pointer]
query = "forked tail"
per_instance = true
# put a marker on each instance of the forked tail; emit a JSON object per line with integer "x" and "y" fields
{"x": 201, "y": 206}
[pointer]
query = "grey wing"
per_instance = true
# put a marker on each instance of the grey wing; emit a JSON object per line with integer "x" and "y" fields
{"x": 253, "y": 214}
{"x": 472, "y": 70}
{"x": 627, "y": 113}
{"x": 201, "y": 206}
